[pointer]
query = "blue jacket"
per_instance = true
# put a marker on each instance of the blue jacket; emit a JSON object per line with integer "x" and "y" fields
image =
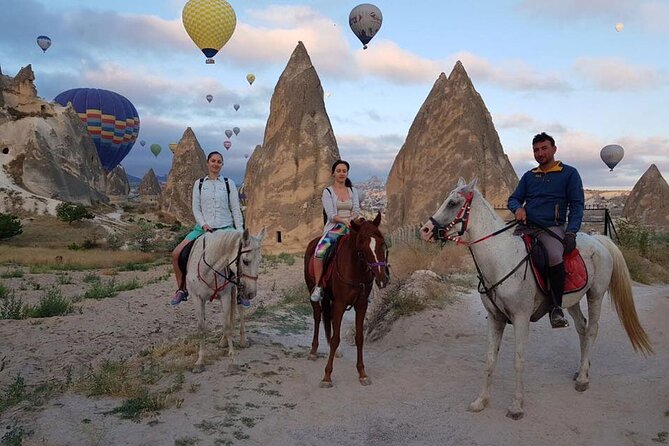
{"x": 551, "y": 198}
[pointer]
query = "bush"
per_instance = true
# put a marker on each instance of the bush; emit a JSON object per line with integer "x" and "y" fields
{"x": 11, "y": 307}
{"x": 71, "y": 212}
{"x": 114, "y": 241}
{"x": 143, "y": 237}
{"x": 10, "y": 225}
{"x": 51, "y": 304}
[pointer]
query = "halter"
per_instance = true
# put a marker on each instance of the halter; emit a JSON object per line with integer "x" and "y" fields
{"x": 441, "y": 232}
{"x": 227, "y": 274}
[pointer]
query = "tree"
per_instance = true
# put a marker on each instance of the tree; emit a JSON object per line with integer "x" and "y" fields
{"x": 10, "y": 225}
{"x": 70, "y": 212}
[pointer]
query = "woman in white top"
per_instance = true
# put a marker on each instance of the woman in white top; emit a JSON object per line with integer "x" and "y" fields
{"x": 341, "y": 205}
{"x": 214, "y": 209}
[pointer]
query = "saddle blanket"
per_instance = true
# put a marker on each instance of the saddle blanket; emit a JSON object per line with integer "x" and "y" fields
{"x": 576, "y": 275}
{"x": 328, "y": 264}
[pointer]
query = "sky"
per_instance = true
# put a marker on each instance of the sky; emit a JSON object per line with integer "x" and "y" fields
{"x": 539, "y": 65}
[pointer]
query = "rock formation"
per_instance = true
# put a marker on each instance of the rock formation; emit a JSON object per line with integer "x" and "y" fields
{"x": 149, "y": 188}
{"x": 188, "y": 163}
{"x": 285, "y": 176}
{"x": 452, "y": 136}
{"x": 648, "y": 203}
{"x": 118, "y": 186}
{"x": 46, "y": 153}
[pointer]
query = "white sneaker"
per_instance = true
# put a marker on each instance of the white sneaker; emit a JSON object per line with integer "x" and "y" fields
{"x": 316, "y": 294}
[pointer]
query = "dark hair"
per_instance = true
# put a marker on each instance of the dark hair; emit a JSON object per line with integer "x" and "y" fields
{"x": 214, "y": 153}
{"x": 347, "y": 183}
{"x": 543, "y": 136}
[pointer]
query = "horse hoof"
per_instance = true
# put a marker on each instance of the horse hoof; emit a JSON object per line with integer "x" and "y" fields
{"x": 515, "y": 415}
{"x": 243, "y": 344}
{"x": 199, "y": 368}
{"x": 325, "y": 384}
{"x": 312, "y": 356}
{"x": 365, "y": 381}
{"x": 478, "y": 406}
{"x": 575, "y": 376}
{"x": 581, "y": 387}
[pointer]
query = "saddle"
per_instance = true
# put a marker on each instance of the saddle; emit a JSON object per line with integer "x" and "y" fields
{"x": 576, "y": 275}
{"x": 328, "y": 264}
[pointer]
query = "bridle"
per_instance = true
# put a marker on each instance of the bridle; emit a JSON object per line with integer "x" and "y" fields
{"x": 227, "y": 274}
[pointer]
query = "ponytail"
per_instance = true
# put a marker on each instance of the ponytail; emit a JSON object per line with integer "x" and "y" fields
{"x": 348, "y": 183}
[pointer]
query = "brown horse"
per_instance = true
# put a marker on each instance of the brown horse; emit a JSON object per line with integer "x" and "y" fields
{"x": 360, "y": 259}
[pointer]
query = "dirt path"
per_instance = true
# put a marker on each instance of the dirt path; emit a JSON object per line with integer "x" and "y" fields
{"x": 424, "y": 374}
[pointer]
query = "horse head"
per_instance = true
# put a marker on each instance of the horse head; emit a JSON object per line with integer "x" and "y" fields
{"x": 248, "y": 263}
{"x": 452, "y": 212}
{"x": 372, "y": 247}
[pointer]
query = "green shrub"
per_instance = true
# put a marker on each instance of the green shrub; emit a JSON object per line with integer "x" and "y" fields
{"x": 71, "y": 212}
{"x": 10, "y": 274}
{"x": 114, "y": 241}
{"x": 143, "y": 236}
{"x": 134, "y": 267}
{"x": 4, "y": 291}
{"x": 286, "y": 258}
{"x": 10, "y": 225}
{"x": 631, "y": 234}
{"x": 52, "y": 303}
{"x": 101, "y": 291}
{"x": 91, "y": 278}
{"x": 13, "y": 393}
{"x": 127, "y": 286}
{"x": 11, "y": 307}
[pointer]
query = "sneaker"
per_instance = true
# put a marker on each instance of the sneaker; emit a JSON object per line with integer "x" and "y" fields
{"x": 316, "y": 294}
{"x": 245, "y": 303}
{"x": 557, "y": 318}
{"x": 179, "y": 296}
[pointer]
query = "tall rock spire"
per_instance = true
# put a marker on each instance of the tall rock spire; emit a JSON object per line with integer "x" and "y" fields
{"x": 285, "y": 176}
{"x": 648, "y": 202}
{"x": 188, "y": 164}
{"x": 452, "y": 136}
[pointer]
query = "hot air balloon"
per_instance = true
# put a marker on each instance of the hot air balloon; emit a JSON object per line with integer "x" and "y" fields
{"x": 155, "y": 149}
{"x": 250, "y": 78}
{"x": 210, "y": 98}
{"x": 619, "y": 27}
{"x": 43, "y": 42}
{"x": 611, "y": 155}
{"x": 365, "y": 21}
{"x": 210, "y": 24}
{"x": 111, "y": 120}
{"x": 227, "y": 144}
{"x": 236, "y": 130}
{"x": 143, "y": 143}
{"x": 246, "y": 155}
{"x": 236, "y": 107}
{"x": 228, "y": 133}
{"x": 173, "y": 146}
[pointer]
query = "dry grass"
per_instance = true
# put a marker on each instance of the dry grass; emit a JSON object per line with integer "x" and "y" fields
{"x": 49, "y": 232}
{"x": 65, "y": 259}
{"x": 405, "y": 258}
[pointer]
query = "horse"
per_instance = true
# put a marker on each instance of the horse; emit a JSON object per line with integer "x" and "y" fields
{"x": 509, "y": 296}
{"x": 359, "y": 260}
{"x": 222, "y": 264}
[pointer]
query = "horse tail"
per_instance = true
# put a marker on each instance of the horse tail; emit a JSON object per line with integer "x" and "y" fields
{"x": 620, "y": 291}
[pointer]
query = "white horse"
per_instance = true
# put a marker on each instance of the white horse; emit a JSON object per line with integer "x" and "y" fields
{"x": 222, "y": 264}
{"x": 512, "y": 293}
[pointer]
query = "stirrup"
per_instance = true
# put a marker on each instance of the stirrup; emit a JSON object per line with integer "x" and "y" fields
{"x": 559, "y": 320}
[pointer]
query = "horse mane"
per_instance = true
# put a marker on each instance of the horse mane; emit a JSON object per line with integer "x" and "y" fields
{"x": 224, "y": 243}
{"x": 486, "y": 204}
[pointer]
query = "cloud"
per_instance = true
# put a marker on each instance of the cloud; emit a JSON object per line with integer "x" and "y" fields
{"x": 614, "y": 74}
{"x": 514, "y": 75}
{"x": 387, "y": 60}
{"x": 525, "y": 122}
{"x": 369, "y": 155}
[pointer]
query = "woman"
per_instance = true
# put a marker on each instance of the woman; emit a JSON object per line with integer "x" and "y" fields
{"x": 341, "y": 204}
{"x": 214, "y": 208}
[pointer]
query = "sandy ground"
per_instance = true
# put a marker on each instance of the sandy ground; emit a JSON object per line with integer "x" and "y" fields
{"x": 424, "y": 374}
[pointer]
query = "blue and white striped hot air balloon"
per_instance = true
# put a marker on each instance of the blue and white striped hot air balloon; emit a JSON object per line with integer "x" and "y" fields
{"x": 43, "y": 42}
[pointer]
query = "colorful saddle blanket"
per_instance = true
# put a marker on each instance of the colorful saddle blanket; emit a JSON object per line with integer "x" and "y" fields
{"x": 576, "y": 275}
{"x": 328, "y": 264}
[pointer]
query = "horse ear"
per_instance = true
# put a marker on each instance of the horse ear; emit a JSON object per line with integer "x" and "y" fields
{"x": 355, "y": 224}
{"x": 461, "y": 182}
{"x": 261, "y": 235}
{"x": 377, "y": 219}
{"x": 474, "y": 183}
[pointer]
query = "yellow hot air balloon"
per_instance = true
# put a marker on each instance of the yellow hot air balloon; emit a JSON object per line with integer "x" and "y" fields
{"x": 210, "y": 23}
{"x": 250, "y": 78}
{"x": 619, "y": 27}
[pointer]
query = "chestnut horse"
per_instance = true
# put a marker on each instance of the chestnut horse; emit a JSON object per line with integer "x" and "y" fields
{"x": 360, "y": 259}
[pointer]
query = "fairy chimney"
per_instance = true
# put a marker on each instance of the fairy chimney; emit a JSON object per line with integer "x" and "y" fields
{"x": 149, "y": 188}
{"x": 452, "y": 136}
{"x": 188, "y": 163}
{"x": 285, "y": 176}
{"x": 648, "y": 203}
{"x": 118, "y": 186}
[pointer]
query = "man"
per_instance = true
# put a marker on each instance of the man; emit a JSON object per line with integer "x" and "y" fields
{"x": 550, "y": 198}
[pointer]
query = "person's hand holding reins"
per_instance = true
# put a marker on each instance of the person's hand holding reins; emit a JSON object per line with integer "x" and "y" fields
{"x": 569, "y": 242}
{"x": 207, "y": 228}
{"x": 521, "y": 215}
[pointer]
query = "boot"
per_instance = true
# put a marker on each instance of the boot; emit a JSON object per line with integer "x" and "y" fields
{"x": 556, "y": 280}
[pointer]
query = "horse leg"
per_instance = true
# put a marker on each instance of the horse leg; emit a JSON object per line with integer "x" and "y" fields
{"x": 199, "y": 364}
{"x": 337, "y": 316}
{"x": 242, "y": 328}
{"x": 495, "y": 332}
{"x": 327, "y": 323}
{"x": 228, "y": 322}
{"x": 316, "y": 308}
{"x": 359, "y": 339}
{"x": 580, "y": 323}
{"x": 594, "y": 310}
{"x": 521, "y": 328}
